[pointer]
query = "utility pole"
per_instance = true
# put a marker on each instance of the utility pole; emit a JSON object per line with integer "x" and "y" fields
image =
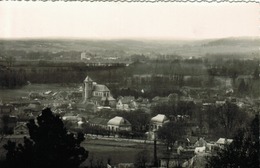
{"x": 155, "y": 162}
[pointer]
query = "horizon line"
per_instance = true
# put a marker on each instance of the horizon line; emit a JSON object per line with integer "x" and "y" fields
{"x": 126, "y": 38}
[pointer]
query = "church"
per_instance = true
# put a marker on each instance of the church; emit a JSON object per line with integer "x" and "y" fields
{"x": 97, "y": 93}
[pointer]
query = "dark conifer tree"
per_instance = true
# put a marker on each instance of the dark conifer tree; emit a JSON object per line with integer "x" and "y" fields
{"x": 49, "y": 146}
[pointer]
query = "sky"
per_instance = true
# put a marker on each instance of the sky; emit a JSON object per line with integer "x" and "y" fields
{"x": 110, "y": 20}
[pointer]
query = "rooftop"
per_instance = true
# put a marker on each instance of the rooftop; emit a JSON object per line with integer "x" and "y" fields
{"x": 100, "y": 88}
{"x": 118, "y": 121}
{"x": 88, "y": 79}
{"x": 223, "y": 141}
{"x": 160, "y": 118}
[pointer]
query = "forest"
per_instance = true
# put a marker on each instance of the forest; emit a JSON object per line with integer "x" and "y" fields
{"x": 156, "y": 77}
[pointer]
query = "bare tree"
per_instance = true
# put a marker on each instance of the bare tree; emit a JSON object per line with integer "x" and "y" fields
{"x": 230, "y": 117}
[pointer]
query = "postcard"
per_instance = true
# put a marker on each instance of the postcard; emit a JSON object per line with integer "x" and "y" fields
{"x": 129, "y": 84}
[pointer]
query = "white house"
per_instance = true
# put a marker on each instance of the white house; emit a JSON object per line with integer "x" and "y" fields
{"x": 200, "y": 150}
{"x": 126, "y": 103}
{"x": 158, "y": 121}
{"x": 119, "y": 124}
{"x": 223, "y": 141}
{"x": 21, "y": 129}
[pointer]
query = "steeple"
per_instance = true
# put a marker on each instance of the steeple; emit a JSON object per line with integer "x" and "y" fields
{"x": 88, "y": 85}
{"x": 88, "y": 79}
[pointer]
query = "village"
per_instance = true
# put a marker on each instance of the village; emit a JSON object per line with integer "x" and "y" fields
{"x": 91, "y": 108}
{"x": 114, "y": 84}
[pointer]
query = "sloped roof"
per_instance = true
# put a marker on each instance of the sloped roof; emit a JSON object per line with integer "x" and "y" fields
{"x": 88, "y": 105}
{"x": 110, "y": 98}
{"x": 118, "y": 121}
{"x": 158, "y": 98}
{"x": 223, "y": 141}
{"x": 192, "y": 139}
{"x": 21, "y": 124}
{"x": 62, "y": 94}
{"x": 159, "y": 118}
{"x": 71, "y": 118}
{"x": 88, "y": 79}
{"x": 34, "y": 107}
{"x": 127, "y": 99}
{"x": 201, "y": 142}
{"x": 100, "y": 88}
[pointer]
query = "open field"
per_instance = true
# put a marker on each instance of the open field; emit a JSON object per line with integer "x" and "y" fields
{"x": 101, "y": 150}
{"x": 14, "y": 94}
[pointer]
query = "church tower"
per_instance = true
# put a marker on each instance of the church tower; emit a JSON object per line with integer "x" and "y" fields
{"x": 88, "y": 86}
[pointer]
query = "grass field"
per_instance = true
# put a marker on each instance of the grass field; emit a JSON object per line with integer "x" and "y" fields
{"x": 102, "y": 150}
{"x": 14, "y": 94}
{"x": 116, "y": 151}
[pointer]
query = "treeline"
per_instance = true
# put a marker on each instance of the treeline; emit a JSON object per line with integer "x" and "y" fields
{"x": 101, "y": 131}
{"x": 212, "y": 120}
{"x": 40, "y": 55}
{"x": 18, "y": 76}
{"x": 138, "y": 119}
{"x": 12, "y": 79}
{"x": 156, "y": 78}
{"x": 232, "y": 67}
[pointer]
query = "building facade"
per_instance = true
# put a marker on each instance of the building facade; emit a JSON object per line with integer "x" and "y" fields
{"x": 97, "y": 93}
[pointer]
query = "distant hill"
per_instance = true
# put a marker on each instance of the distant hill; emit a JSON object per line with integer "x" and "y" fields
{"x": 245, "y": 46}
{"x": 243, "y": 42}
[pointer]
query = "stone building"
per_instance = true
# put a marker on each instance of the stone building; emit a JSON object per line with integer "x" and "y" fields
{"x": 97, "y": 93}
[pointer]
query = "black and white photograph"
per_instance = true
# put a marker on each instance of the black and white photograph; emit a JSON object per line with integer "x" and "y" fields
{"x": 129, "y": 84}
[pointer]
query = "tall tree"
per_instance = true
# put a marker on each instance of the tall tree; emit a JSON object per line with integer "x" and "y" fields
{"x": 50, "y": 145}
{"x": 242, "y": 87}
{"x": 171, "y": 132}
{"x": 256, "y": 74}
{"x": 243, "y": 152}
{"x": 230, "y": 117}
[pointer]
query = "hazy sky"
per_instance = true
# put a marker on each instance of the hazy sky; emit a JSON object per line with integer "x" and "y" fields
{"x": 128, "y": 20}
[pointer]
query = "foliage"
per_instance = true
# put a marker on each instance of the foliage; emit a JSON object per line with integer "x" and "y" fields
{"x": 10, "y": 61}
{"x": 164, "y": 108}
{"x": 222, "y": 120}
{"x": 230, "y": 117}
{"x": 243, "y": 87}
{"x": 96, "y": 130}
{"x": 256, "y": 74}
{"x": 171, "y": 132}
{"x": 186, "y": 108}
{"x": 141, "y": 159}
{"x": 49, "y": 145}
{"x": 6, "y": 119}
{"x": 242, "y": 152}
{"x": 138, "y": 118}
{"x": 173, "y": 109}
{"x": 12, "y": 79}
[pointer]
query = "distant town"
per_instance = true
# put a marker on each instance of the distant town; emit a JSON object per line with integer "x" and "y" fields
{"x": 136, "y": 107}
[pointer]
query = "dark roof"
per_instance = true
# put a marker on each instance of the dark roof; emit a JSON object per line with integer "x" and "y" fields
{"x": 98, "y": 121}
{"x": 100, "y": 88}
